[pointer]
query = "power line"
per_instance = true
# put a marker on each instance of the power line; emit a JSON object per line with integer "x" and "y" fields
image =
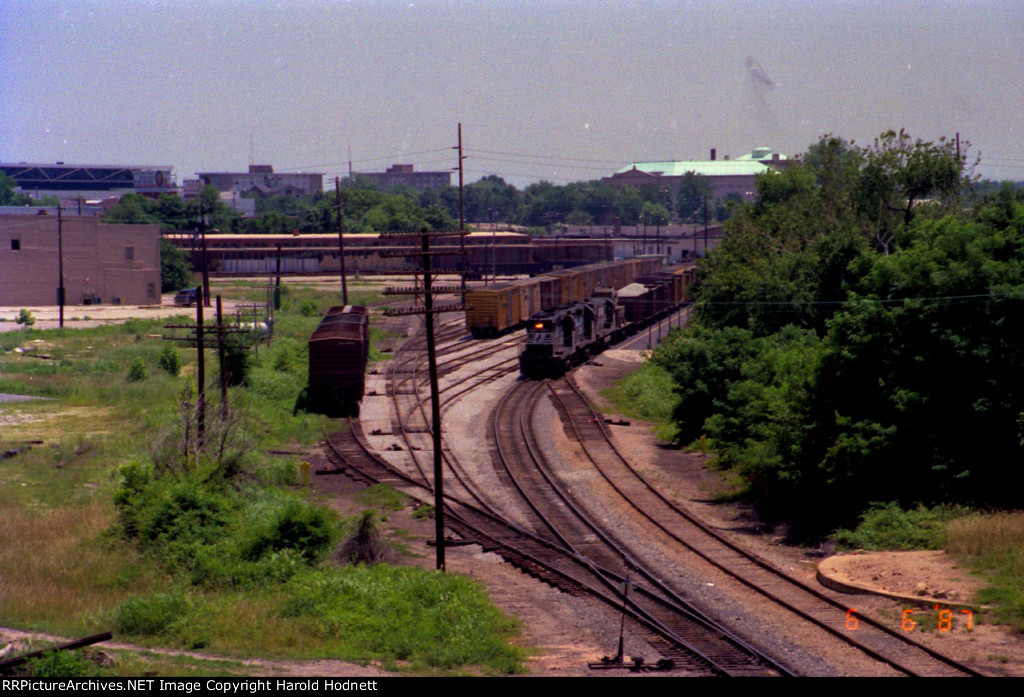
{"x": 368, "y": 159}
{"x": 547, "y": 157}
{"x": 1017, "y": 295}
{"x": 552, "y": 163}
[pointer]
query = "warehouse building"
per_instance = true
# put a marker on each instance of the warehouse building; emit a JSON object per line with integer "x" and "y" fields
{"x": 405, "y": 175}
{"x": 264, "y": 181}
{"x": 724, "y": 178}
{"x": 108, "y": 264}
{"x": 69, "y": 180}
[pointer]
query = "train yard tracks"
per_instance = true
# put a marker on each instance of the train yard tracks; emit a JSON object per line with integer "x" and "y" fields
{"x": 808, "y": 604}
{"x": 518, "y": 505}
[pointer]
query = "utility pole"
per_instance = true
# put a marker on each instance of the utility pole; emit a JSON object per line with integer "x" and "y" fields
{"x": 462, "y": 218}
{"x": 705, "y": 224}
{"x": 206, "y": 272}
{"x": 277, "y": 281}
{"x": 60, "y": 264}
{"x": 200, "y": 364}
{"x": 201, "y": 341}
{"x": 429, "y": 310}
{"x": 341, "y": 239}
{"x": 222, "y": 360}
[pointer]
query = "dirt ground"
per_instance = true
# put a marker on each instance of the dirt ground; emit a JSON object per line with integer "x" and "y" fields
{"x": 81, "y": 316}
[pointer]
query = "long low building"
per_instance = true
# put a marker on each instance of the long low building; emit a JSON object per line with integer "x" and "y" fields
{"x": 108, "y": 264}
{"x": 89, "y": 180}
{"x": 504, "y": 252}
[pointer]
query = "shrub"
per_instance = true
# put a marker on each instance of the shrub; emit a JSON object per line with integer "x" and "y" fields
{"x": 183, "y": 509}
{"x": 61, "y": 664}
{"x": 152, "y": 614}
{"x": 25, "y": 318}
{"x": 308, "y": 309}
{"x": 364, "y": 545}
{"x": 888, "y": 526}
{"x": 170, "y": 359}
{"x": 137, "y": 370}
{"x": 238, "y": 363}
{"x": 304, "y": 528}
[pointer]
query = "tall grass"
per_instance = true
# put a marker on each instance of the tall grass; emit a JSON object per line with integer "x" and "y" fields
{"x": 58, "y": 571}
{"x": 993, "y": 545}
{"x": 647, "y": 394}
{"x": 235, "y": 582}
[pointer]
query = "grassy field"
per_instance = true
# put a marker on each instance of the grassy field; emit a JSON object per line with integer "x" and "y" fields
{"x": 113, "y": 520}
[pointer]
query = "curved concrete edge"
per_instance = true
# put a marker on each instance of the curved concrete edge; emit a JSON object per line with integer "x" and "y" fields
{"x": 829, "y": 577}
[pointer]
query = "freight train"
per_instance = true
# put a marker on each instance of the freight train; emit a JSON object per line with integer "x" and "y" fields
{"x": 338, "y": 351}
{"x": 498, "y": 308}
{"x": 566, "y": 335}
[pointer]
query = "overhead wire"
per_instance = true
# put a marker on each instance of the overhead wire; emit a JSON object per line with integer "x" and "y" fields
{"x": 1017, "y": 295}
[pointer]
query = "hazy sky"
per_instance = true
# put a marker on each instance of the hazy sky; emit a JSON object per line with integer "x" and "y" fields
{"x": 545, "y": 89}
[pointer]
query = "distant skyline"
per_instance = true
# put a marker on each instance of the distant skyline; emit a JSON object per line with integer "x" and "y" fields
{"x": 551, "y": 90}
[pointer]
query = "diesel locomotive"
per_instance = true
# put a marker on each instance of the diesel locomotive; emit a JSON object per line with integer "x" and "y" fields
{"x": 563, "y": 336}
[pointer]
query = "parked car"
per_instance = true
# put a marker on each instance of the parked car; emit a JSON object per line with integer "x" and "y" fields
{"x": 187, "y": 297}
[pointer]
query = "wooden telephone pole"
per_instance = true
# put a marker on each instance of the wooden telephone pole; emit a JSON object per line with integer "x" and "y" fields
{"x": 428, "y": 310}
{"x": 462, "y": 219}
{"x": 220, "y": 337}
{"x": 341, "y": 240}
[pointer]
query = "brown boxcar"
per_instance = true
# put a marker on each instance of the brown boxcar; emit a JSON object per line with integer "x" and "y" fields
{"x": 338, "y": 351}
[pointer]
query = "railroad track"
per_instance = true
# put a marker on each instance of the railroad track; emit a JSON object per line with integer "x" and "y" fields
{"x": 566, "y": 524}
{"x": 573, "y": 561}
{"x": 349, "y": 453}
{"x": 808, "y": 603}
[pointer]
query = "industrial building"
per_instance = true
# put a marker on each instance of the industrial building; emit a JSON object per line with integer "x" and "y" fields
{"x": 405, "y": 175}
{"x": 90, "y": 180}
{"x": 264, "y": 181}
{"x": 102, "y": 264}
{"x": 726, "y": 178}
{"x": 503, "y": 252}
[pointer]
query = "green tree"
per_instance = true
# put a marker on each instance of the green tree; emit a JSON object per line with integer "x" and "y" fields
{"x": 175, "y": 272}
{"x": 693, "y": 197}
{"x": 847, "y": 351}
{"x": 7, "y": 187}
{"x": 899, "y": 173}
{"x": 655, "y": 214}
{"x": 133, "y": 209}
{"x": 490, "y": 199}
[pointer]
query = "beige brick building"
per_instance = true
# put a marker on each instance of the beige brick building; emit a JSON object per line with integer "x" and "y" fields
{"x": 108, "y": 264}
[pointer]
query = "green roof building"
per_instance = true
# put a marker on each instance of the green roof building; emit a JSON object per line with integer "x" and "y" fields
{"x": 724, "y": 177}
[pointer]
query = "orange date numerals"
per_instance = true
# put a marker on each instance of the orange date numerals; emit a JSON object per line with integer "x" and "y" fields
{"x": 851, "y": 621}
{"x": 945, "y": 620}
